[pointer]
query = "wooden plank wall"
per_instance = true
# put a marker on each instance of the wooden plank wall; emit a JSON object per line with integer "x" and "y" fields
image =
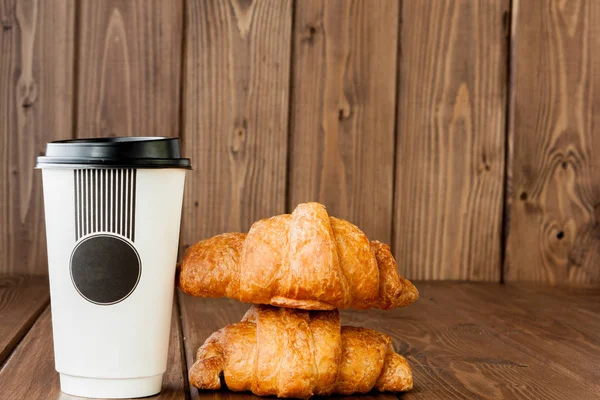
{"x": 555, "y": 134}
{"x": 451, "y": 139}
{"x": 452, "y": 130}
{"x": 236, "y": 94}
{"x": 37, "y": 46}
{"x": 343, "y": 108}
{"x": 128, "y": 77}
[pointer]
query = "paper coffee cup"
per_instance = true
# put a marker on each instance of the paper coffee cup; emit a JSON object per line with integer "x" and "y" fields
{"x": 113, "y": 210}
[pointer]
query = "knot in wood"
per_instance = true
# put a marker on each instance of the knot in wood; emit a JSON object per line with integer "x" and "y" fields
{"x": 523, "y": 196}
{"x": 239, "y": 136}
{"x": 6, "y": 24}
{"x": 344, "y": 113}
{"x": 597, "y": 214}
{"x": 27, "y": 91}
{"x": 310, "y": 31}
{"x": 485, "y": 165}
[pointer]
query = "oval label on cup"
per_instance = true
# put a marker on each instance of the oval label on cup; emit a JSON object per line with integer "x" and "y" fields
{"x": 105, "y": 269}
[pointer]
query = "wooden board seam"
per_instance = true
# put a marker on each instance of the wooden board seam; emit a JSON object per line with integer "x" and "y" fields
{"x": 22, "y": 301}
{"x": 508, "y": 113}
{"x": 289, "y": 207}
{"x": 184, "y": 368}
{"x": 396, "y": 124}
{"x": 182, "y": 70}
{"x": 30, "y": 323}
{"x": 75, "y": 67}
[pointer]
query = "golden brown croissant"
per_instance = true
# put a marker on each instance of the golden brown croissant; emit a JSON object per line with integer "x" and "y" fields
{"x": 295, "y": 353}
{"x": 305, "y": 260}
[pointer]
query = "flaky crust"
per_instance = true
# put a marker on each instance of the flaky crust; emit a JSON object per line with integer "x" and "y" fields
{"x": 305, "y": 260}
{"x": 294, "y": 353}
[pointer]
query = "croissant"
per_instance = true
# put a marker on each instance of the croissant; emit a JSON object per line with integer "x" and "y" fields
{"x": 294, "y": 353}
{"x": 305, "y": 260}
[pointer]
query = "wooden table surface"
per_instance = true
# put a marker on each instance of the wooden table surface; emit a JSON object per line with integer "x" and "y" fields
{"x": 463, "y": 341}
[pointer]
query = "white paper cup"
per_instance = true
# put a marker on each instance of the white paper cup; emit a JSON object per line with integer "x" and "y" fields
{"x": 113, "y": 210}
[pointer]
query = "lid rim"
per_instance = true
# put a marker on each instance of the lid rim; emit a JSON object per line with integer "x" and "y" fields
{"x": 108, "y": 140}
{"x": 48, "y": 162}
{"x": 114, "y": 152}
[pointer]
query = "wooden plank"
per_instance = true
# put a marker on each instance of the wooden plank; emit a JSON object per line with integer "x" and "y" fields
{"x": 570, "y": 306}
{"x": 588, "y": 299}
{"x": 40, "y": 380}
{"x": 451, "y": 139}
{"x": 129, "y": 68}
{"x": 235, "y": 113}
{"x": 22, "y": 300}
{"x": 536, "y": 325}
{"x": 29, "y": 373}
{"x": 583, "y": 299}
{"x": 175, "y": 379}
{"x": 454, "y": 352}
{"x": 343, "y": 110}
{"x": 36, "y": 101}
{"x": 555, "y": 203}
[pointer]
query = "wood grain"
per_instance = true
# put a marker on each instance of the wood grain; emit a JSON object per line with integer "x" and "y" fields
{"x": 451, "y": 139}
{"x": 29, "y": 373}
{"x": 22, "y": 300}
{"x": 587, "y": 297}
{"x": 129, "y": 68}
{"x": 236, "y": 97}
{"x": 175, "y": 379}
{"x": 343, "y": 110}
{"x": 454, "y": 355}
{"x": 462, "y": 341}
{"x": 555, "y": 202}
{"x": 36, "y": 99}
{"x": 484, "y": 341}
{"x": 536, "y": 324}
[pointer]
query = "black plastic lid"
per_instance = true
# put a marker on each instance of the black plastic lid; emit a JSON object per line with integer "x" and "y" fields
{"x": 111, "y": 152}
